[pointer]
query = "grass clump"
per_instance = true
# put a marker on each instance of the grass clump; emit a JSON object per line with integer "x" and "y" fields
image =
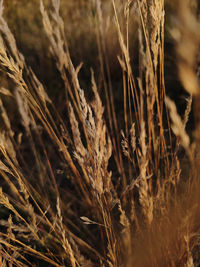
{"x": 76, "y": 190}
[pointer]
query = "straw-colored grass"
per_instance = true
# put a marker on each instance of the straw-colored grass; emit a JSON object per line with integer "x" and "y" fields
{"x": 76, "y": 188}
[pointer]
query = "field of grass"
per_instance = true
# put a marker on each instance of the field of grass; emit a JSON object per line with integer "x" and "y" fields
{"x": 99, "y": 166}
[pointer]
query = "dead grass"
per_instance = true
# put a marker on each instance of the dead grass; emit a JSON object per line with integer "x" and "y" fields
{"x": 76, "y": 192}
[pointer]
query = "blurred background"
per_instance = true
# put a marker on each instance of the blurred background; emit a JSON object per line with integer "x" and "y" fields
{"x": 82, "y": 29}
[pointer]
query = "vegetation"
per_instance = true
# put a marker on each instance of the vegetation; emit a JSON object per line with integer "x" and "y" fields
{"x": 88, "y": 185}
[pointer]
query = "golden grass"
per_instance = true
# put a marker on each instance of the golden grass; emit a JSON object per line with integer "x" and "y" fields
{"x": 76, "y": 192}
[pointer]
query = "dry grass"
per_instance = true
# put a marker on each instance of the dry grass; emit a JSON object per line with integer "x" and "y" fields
{"x": 76, "y": 192}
